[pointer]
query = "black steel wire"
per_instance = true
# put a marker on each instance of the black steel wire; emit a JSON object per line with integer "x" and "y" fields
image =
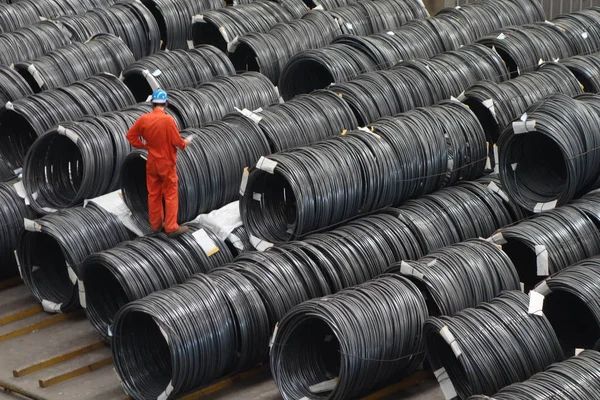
{"x": 12, "y": 85}
{"x": 496, "y": 344}
{"x": 61, "y": 242}
{"x": 31, "y": 42}
{"x": 587, "y": 71}
{"x": 12, "y": 212}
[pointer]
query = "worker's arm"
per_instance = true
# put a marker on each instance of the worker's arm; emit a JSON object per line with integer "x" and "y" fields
{"x": 134, "y": 136}
{"x": 176, "y": 139}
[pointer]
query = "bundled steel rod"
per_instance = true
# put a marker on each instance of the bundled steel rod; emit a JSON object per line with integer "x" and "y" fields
{"x": 176, "y": 69}
{"x": 483, "y": 349}
{"x": 574, "y": 378}
{"x": 51, "y": 249}
{"x": 587, "y": 71}
{"x": 26, "y": 119}
{"x": 569, "y": 299}
{"x": 550, "y": 242}
{"x": 209, "y": 170}
{"x": 12, "y": 85}
{"x": 461, "y": 276}
{"x": 31, "y": 42}
{"x": 332, "y": 348}
{"x": 549, "y": 155}
{"x": 75, "y": 62}
{"x": 129, "y": 20}
{"x": 133, "y": 270}
{"x": 12, "y": 212}
{"x": 79, "y": 160}
{"x": 348, "y": 57}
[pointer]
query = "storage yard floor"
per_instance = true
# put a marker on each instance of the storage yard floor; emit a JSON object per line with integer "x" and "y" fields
{"x": 64, "y": 354}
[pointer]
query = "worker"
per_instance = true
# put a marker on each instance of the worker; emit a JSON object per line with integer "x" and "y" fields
{"x": 161, "y": 138}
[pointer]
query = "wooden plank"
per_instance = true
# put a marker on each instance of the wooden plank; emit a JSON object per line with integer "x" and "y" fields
{"x": 19, "y": 372}
{"x": 224, "y": 383}
{"x": 413, "y": 380}
{"x": 54, "y": 380}
{"x": 21, "y": 315}
{"x": 15, "y": 389}
{"x": 10, "y": 282}
{"x": 53, "y": 320}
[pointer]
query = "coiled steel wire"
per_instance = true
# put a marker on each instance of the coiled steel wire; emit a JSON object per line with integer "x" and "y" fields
{"x": 12, "y": 212}
{"x": 31, "y": 42}
{"x": 587, "y": 71}
{"x": 12, "y": 85}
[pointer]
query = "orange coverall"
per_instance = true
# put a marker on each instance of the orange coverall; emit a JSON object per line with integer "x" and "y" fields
{"x": 161, "y": 135}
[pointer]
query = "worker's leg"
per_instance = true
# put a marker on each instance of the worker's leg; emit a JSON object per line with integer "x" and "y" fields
{"x": 154, "y": 183}
{"x": 171, "y": 194}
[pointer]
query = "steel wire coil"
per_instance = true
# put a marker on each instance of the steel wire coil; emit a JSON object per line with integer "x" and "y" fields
{"x": 132, "y": 270}
{"x": 549, "y": 242}
{"x": 6, "y": 173}
{"x": 129, "y": 20}
{"x": 305, "y": 119}
{"x": 587, "y": 71}
{"x": 572, "y": 306}
{"x": 51, "y": 250}
{"x": 176, "y": 69}
{"x": 554, "y": 159}
{"x": 28, "y": 118}
{"x": 31, "y": 42}
{"x": 12, "y": 212}
{"x": 79, "y": 160}
{"x": 306, "y": 189}
{"x": 12, "y": 85}
{"x": 574, "y": 378}
{"x": 238, "y": 241}
{"x": 480, "y": 350}
{"x": 461, "y": 276}
{"x": 209, "y": 170}
{"x": 497, "y": 104}
{"x": 75, "y": 62}
{"x": 427, "y": 82}
{"x": 219, "y": 27}
{"x": 327, "y": 337}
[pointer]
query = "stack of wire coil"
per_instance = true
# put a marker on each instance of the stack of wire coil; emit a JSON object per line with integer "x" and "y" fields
{"x": 51, "y": 249}
{"x": 129, "y": 20}
{"x": 550, "y": 241}
{"x": 587, "y": 71}
{"x": 26, "y": 119}
{"x": 461, "y": 276}
{"x": 31, "y": 42}
{"x": 176, "y": 69}
{"x": 220, "y": 27}
{"x": 79, "y": 160}
{"x": 75, "y": 62}
{"x": 575, "y": 378}
{"x": 420, "y": 83}
{"x": 12, "y": 212}
{"x": 481, "y": 350}
{"x": 349, "y": 56}
{"x": 572, "y": 306}
{"x": 132, "y": 270}
{"x": 209, "y": 169}
{"x": 549, "y": 156}
{"x": 321, "y": 348}
{"x": 360, "y": 172}
{"x": 12, "y": 85}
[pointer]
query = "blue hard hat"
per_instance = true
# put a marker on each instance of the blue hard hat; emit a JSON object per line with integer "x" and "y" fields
{"x": 159, "y": 97}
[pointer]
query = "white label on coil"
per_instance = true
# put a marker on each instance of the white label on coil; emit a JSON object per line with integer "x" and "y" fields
{"x": 49, "y": 210}
{"x": 157, "y": 73}
{"x": 81, "y": 287}
{"x": 9, "y": 106}
{"x": 31, "y": 225}
{"x": 109, "y": 330}
{"x": 541, "y": 207}
{"x": 514, "y": 166}
{"x": 496, "y": 160}
{"x": 584, "y": 35}
{"x": 190, "y": 44}
{"x": 489, "y": 104}
{"x": 578, "y": 352}
{"x": 391, "y": 33}
{"x": 501, "y": 36}
{"x": 543, "y": 288}
{"x": 244, "y": 183}
{"x": 541, "y": 257}
{"x": 451, "y": 340}
{"x": 18, "y": 171}
{"x": 250, "y": 114}
{"x": 36, "y": 75}
{"x": 452, "y": 98}
{"x": 497, "y": 238}
{"x": 51, "y": 307}
{"x": 148, "y": 99}
{"x": 495, "y": 189}
{"x": 407, "y": 269}
{"x": 224, "y": 34}
{"x": 273, "y": 336}
{"x": 28, "y": 200}
{"x": 461, "y": 97}
{"x": 325, "y": 386}
{"x": 72, "y": 275}
{"x": 259, "y": 244}
{"x": 266, "y": 165}
{"x": 523, "y": 126}
{"x": 20, "y": 189}
{"x": 488, "y": 161}
{"x": 536, "y": 303}
{"x": 198, "y": 18}
{"x": 18, "y": 264}
{"x": 319, "y": 7}
{"x": 522, "y": 287}
{"x": 257, "y": 196}
{"x": 165, "y": 395}
{"x": 232, "y": 46}
{"x": 151, "y": 79}
{"x": 540, "y": 61}
{"x": 348, "y": 25}
{"x": 68, "y": 133}
{"x": 206, "y": 243}
{"x": 446, "y": 384}
{"x": 235, "y": 241}
{"x": 548, "y": 22}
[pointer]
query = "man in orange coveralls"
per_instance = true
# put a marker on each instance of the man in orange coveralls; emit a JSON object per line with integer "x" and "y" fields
{"x": 161, "y": 138}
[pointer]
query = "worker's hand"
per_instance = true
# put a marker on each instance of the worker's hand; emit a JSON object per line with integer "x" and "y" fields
{"x": 187, "y": 142}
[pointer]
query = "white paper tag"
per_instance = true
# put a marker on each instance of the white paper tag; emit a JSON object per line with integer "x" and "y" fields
{"x": 257, "y": 196}
{"x": 165, "y": 395}
{"x": 157, "y": 73}
{"x": 541, "y": 257}
{"x": 20, "y": 189}
{"x": 541, "y": 207}
{"x": 81, "y": 287}
{"x": 206, "y": 243}
{"x": 522, "y": 287}
{"x": 496, "y": 160}
{"x": 51, "y": 307}
{"x": 72, "y": 275}
{"x": 151, "y": 79}
{"x": 9, "y": 106}
{"x": 266, "y": 165}
{"x": 497, "y": 238}
{"x": 325, "y": 386}
{"x": 36, "y": 75}
{"x": 31, "y": 226}
{"x": 495, "y": 189}
{"x": 543, "y": 288}
{"x": 190, "y": 44}
{"x": 391, "y": 33}
{"x": 489, "y": 104}
{"x": 407, "y": 269}
{"x": 198, "y": 18}
{"x": 244, "y": 183}
{"x": 578, "y": 352}
{"x": 536, "y": 303}
{"x": 461, "y": 97}
{"x": 109, "y": 330}
{"x": 501, "y": 36}
{"x": 520, "y": 127}
{"x": 259, "y": 244}
{"x": 451, "y": 340}
{"x": 446, "y": 384}
{"x": 273, "y": 336}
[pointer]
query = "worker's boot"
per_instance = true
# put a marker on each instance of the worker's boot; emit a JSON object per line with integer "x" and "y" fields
{"x": 182, "y": 229}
